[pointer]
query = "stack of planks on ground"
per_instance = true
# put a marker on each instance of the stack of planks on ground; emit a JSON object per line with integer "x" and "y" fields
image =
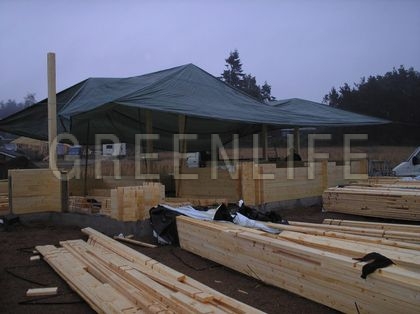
{"x": 113, "y": 278}
{"x": 4, "y": 196}
{"x": 132, "y": 203}
{"x": 4, "y": 202}
{"x": 184, "y": 201}
{"x": 390, "y": 201}
{"x": 314, "y": 262}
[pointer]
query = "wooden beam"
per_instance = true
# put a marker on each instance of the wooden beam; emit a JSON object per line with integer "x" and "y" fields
{"x": 264, "y": 141}
{"x": 52, "y": 109}
{"x": 182, "y": 121}
{"x": 149, "y": 143}
{"x": 317, "y": 267}
{"x": 131, "y": 241}
{"x": 296, "y": 136}
{"x": 113, "y": 278}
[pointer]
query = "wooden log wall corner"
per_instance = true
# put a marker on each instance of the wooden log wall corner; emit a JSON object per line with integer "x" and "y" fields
{"x": 36, "y": 190}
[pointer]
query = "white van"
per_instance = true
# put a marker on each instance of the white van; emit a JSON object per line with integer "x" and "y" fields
{"x": 410, "y": 167}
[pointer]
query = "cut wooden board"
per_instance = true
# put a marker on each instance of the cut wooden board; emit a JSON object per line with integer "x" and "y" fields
{"x": 389, "y": 202}
{"x": 112, "y": 277}
{"x": 320, "y": 268}
{"x": 35, "y": 292}
{"x": 135, "y": 242}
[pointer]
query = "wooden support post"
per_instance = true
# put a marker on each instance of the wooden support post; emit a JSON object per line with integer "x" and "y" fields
{"x": 182, "y": 150}
{"x": 324, "y": 173}
{"x": 85, "y": 189}
{"x": 182, "y": 120}
{"x": 264, "y": 140}
{"x": 52, "y": 109}
{"x": 296, "y": 137}
{"x": 149, "y": 145}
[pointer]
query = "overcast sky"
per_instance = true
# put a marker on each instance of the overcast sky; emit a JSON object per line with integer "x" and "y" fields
{"x": 301, "y": 48}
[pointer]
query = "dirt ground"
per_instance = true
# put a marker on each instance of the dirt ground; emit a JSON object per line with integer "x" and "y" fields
{"x": 18, "y": 273}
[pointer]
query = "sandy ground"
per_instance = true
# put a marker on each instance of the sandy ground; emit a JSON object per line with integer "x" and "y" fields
{"x": 18, "y": 273}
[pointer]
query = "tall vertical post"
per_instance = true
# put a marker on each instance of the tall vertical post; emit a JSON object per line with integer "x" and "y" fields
{"x": 264, "y": 135}
{"x": 149, "y": 144}
{"x": 182, "y": 150}
{"x": 296, "y": 136}
{"x": 52, "y": 109}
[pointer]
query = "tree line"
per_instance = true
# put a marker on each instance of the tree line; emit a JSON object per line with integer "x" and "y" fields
{"x": 11, "y": 106}
{"x": 394, "y": 96}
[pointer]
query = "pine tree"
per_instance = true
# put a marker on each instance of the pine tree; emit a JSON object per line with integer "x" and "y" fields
{"x": 234, "y": 76}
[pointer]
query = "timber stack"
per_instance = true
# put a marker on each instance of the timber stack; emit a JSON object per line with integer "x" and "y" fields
{"x": 113, "y": 278}
{"x": 316, "y": 261}
{"x": 132, "y": 203}
{"x": 399, "y": 201}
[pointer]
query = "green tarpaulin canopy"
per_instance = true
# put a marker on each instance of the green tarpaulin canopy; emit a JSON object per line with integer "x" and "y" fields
{"x": 117, "y": 106}
{"x": 329, "y": 115}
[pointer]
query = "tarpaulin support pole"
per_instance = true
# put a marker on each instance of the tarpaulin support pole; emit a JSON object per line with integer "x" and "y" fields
{"x": 52, "y": 108}
{"x": 182, "y": 122}
{"x": 264, "y": 140}
{"x": 149, "y": 143}
{"x": 85, "y": 190}
{"x": 296, "y": 143}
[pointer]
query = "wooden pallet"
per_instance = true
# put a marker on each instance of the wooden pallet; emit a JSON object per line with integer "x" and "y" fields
{"x": 317, "y": 267}
{"x": 112, "y": 277}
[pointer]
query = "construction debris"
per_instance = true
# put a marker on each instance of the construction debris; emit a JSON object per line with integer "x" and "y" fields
{"x": 396, "y": 202}
{"x": 112, "y": 277}
{"x": 314, "y": 262}
{"x": 34, "y": 258}
{"x": 37, "y": 292}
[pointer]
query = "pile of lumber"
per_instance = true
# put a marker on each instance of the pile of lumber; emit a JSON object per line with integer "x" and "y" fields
{"x": 113, "y": 278}
{"x": 4, "y": 202}
{"x": 314, "y": 262}
{"x": 391, "y": 201}
{"x": 106, "y": 206}
{"x": 83, "y": 205}
{"x": 184, "y": 201}
{"x": 132, "y": 203}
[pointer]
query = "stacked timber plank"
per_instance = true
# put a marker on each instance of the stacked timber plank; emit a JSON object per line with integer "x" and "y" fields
{"x": 35, "y": 190}
{"x": 82, "y": 204}
{"x": 132, "y": 203}
{"x": 314, "y": 262}
{"x": 106, "y": 206}
{"x": 183, "y": 201}
{"x": 113, "y": 278}
{"x": 377, "y": 201}
{"x": 4, "y": 202}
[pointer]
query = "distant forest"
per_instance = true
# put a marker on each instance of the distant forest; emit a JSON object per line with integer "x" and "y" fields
{"x": 11, "y": 106}
{"x": 394, "y": 96}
